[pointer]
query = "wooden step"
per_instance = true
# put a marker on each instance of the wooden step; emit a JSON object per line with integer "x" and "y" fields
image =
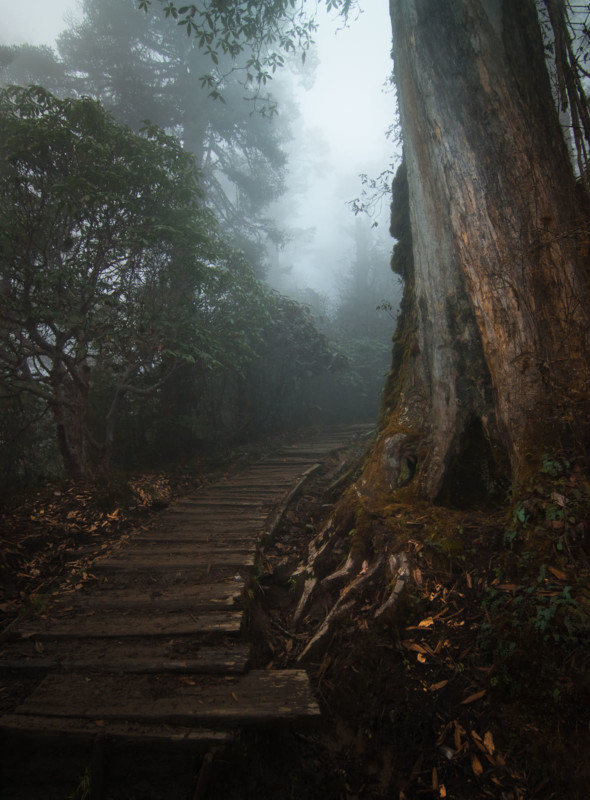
{"x": 181, "y": 654}
{"x": 129, "y": 733}
{"x": 154, "y": 598}
{"x": 120, "y": 624}
{"x": 193, "y": 544}
{"x": 205, "y": 597}
{"x": 260, "y": 698}
{"x": 221, "y": 663}
{"x": 163, "y": 563}
{"x": 188, "y": 574}
{"x": 188, "y": 535}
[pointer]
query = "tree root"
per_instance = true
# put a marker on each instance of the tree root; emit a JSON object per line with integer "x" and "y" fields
{"x": 394, "y": 569}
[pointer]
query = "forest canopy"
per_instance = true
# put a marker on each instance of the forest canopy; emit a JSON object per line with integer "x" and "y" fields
{"x": 112, "y": 268}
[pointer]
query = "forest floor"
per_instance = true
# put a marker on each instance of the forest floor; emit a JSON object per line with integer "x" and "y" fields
{"x": 478, "y": 687}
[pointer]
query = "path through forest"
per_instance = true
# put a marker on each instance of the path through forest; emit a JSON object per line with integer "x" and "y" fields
{"x": 150, "y": 649}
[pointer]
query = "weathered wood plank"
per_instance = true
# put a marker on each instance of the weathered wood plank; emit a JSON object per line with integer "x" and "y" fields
{"x": 206, "y": 597}
{"x": 219, "y": 503}
{"x": 189, "y": 536}
{"x": 259, "y": 698}
{"x": 196, "y": 544}
{"x": 127, "y": 655}
{"x": 118, "y": 624}
{"x": 161, "y": 563}
{"x": 189, "y": 574}
{"x": 127, "y": 732}
{"x": 206, "y": 665}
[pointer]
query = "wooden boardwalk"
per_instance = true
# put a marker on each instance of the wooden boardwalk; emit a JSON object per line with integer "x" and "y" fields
{"x": 151, "y": 648}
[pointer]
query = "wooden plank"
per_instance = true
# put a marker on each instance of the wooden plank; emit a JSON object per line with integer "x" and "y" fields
{"x": 189, "y": 574}
{"x": 127, "y": 732}
{"x": 120, "y": 625}
{"x": 214, "y": 527}
{"x": 192, "y": 544}
{"x": 127, "y": 655}
{"x": 259, "y": 698}
{"x": 205, "y": 665}
{"x": 206, "y": 597}
{"x": 141, "y": 563}
{"x": 256, "y": 484}
{"x": 205, "y": 516}
{"x": 220, "y": 504}
{"x": 249, "y": 492}
{"x": 188, "y": 535}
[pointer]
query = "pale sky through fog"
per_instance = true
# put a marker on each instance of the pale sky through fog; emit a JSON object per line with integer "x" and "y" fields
{"x": 345, "y": 115}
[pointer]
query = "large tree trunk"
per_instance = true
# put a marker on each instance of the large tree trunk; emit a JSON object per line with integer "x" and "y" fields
{"x": 497, "y": 326}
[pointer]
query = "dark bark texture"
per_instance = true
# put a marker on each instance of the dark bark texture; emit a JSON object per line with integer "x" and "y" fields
{"x": 498, "y": 350}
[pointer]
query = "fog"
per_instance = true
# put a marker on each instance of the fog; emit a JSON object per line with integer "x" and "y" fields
{"x": 345, "y": 116}
{"x": 344, "y": 109}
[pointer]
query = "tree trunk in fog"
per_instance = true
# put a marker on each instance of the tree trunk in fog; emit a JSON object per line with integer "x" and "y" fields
{"x": 70, "y": 410}
{"x": 500, "y": 348}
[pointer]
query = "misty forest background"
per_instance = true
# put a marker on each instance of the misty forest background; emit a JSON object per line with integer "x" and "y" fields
{"x": 145, "y": 321}
{"x": 143, "y": 317}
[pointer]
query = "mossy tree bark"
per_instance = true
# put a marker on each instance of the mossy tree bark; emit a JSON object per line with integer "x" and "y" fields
{"x": 496, "y": 324}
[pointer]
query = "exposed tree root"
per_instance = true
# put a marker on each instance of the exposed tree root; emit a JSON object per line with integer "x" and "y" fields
{"x": 342, "y": 591}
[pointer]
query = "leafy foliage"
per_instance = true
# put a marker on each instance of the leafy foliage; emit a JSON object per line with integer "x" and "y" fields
{"x": 112, "y": 271}
{"x": 139, "y": 68}
{"x": 262, "y": 32}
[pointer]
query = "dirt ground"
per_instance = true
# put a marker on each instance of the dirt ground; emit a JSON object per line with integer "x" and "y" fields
{"x": 477, "y": 687}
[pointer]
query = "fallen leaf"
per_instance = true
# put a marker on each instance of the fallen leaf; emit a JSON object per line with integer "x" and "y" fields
{"x": 442, "y": 792}
{"x": 459, "y": 731}
{"x": 473, "y": 697}
{"x": 426, "y": 623}
{"x": 469, "y": 581}
{"x": 561, "y": 576}
{"x": 413, "y": 646}
{"x": 434, "y": 780}
{"x": 476, "y": 765}
{"x": 235, "y": 697}
{"x": 488, "y": 741}
{"x": 421, "y": 658}
{"x": 436, "y": 686}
